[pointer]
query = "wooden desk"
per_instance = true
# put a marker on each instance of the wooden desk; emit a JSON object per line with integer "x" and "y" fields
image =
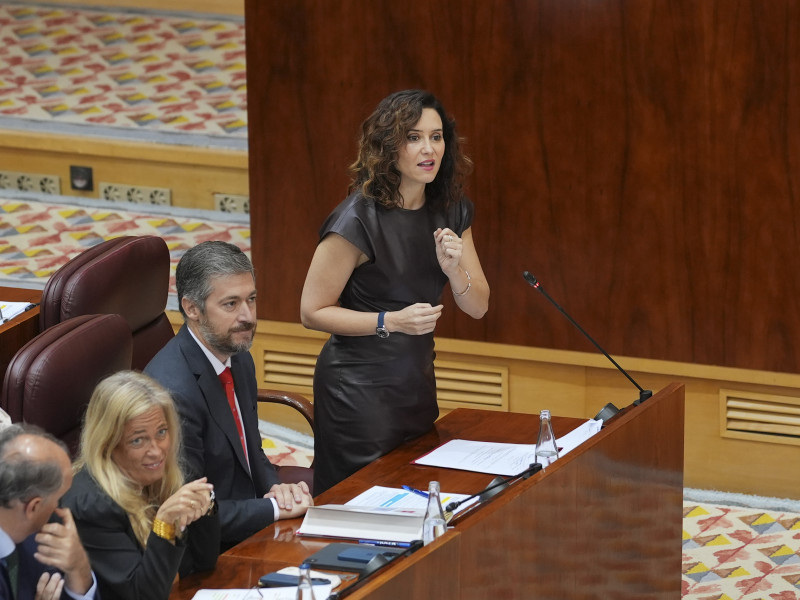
{"x": 602, "y": 522}
{"x": 20, "y": 330}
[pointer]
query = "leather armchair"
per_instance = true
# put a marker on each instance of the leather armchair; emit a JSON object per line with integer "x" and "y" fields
{"x": 50, "y": 379}
{"x": 128, "y": 276}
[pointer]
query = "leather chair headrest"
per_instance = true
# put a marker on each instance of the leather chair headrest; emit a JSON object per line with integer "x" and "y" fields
{"x": 127, "y": 276}
{"x": 49, "y": 380}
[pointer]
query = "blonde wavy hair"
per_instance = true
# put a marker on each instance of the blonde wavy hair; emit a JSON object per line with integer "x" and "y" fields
{"x": 115, "y": 401}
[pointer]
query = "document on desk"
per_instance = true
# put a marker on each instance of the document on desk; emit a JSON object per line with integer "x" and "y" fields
{"x": 278, "y": 593}
{"x": 9, "y": 310}
{"x": 282, "y": 593}
{"x": 380, "y": 513}
{"x": 497, "y": 458}
{"x": 388, "y": 524}
{"x": 379, "y": 495}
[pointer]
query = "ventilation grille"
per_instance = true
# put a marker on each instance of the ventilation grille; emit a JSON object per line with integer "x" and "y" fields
{"x": 289, "y": 368}
{"x": 762, "y": 417}
{"x": 457, "y": 384}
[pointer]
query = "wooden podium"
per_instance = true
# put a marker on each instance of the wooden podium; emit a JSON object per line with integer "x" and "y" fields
{"x": 604, "y": 521}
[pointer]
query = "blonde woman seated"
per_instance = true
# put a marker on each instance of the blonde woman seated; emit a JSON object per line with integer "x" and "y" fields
{"x": 140, "y": 524}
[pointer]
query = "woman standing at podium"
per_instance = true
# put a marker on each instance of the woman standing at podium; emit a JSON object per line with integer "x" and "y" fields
{"x": 376, "y": 280}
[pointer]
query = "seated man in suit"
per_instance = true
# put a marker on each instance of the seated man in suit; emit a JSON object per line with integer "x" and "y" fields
{"x": 219, "y": 418}
{"x": 38, "y": 559}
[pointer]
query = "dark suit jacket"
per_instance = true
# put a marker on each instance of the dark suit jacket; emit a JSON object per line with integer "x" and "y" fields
{"x": 29, "y": 572}
{"x": 125, "y": 570}
{"x": 210, "y": 438}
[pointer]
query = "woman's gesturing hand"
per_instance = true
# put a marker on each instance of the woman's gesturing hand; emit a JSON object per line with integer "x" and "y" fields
{"x": 186, "y": 505}
{"x": 417, "y": 319}
{"x": 449, "y": 248}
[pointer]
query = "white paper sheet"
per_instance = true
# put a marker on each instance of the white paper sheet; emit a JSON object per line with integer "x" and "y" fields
{"x": 497, "y": 458}
{"x": 13, "y": 309}
{"x": 385, "y": 497}
{"x": 283, "y": 593}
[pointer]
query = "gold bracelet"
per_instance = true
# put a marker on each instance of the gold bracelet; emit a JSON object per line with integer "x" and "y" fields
{"x": 164, "y": 530}
{"x": 469, "y": 284}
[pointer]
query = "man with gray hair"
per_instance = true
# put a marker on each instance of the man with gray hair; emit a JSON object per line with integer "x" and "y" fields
{"x": 208, "y": 369}
{"x": 38, "y": 559}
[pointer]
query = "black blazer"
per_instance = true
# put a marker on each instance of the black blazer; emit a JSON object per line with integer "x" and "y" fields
{"x": 124, "y": 569}
{"x": 210, "y": 438}
{"x": 28, "y": 574}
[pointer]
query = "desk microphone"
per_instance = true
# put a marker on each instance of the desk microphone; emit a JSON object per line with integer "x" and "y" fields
{"x": 609, "y": 410}
{"x": 498, "y": 484}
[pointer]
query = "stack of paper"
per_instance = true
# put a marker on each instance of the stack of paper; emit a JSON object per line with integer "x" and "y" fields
{"x": 380, "y": 513}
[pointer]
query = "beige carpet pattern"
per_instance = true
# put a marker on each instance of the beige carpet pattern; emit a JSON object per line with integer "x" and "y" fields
{"x": 734, "y": 553}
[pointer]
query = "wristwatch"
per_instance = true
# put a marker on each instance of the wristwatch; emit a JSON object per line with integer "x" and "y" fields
{"x": 212, "y": 506}
{"x": 381, "y": 330}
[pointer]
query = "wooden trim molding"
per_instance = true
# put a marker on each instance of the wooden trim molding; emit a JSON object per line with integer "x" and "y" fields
{"x": 221, "y": 7}
{"x": 193, "y": 174}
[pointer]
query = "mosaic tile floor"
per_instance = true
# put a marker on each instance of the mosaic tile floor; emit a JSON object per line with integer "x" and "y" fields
{"x": 124, "y": 70}
{"x": 36, "y": 238}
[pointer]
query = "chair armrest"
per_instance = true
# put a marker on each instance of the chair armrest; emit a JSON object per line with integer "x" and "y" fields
{"x": 292, "y": 399}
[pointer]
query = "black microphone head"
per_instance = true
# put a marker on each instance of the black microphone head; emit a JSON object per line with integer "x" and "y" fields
{"x": 452, "y": 506}
{"x": 530, "y": 278}
{"x": 532, "y": 470}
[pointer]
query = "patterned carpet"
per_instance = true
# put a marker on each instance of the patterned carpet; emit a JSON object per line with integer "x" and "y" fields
{"x": 734, "y": 553}
{"x": 122, "y": 70}
{"x": 38, "y": 236}
{"x": 286, "y": 447}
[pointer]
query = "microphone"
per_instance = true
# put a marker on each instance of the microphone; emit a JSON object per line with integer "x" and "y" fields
{"x": 609, "y": 410}
{"x": 496, "y": 486}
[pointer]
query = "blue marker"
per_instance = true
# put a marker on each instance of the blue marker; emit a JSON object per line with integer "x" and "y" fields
{"x": 385, "y": 543}
{"x": 415, "y": 491}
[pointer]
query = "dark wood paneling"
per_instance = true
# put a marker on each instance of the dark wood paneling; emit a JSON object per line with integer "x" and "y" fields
{"x": 642, "y": 159}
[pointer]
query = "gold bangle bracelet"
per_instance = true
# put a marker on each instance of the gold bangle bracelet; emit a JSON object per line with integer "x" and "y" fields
{"x": 469, "y": 285}
{"x": 164, "y": 530}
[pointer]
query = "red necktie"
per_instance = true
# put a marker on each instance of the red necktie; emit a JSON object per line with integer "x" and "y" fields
{"x": 227, "y": 382}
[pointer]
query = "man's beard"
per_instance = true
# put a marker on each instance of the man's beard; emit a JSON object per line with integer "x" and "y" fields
{"x": 224, "y": 344}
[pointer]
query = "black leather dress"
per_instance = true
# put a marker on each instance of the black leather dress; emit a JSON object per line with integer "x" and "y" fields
{"x": 370, "y": 393}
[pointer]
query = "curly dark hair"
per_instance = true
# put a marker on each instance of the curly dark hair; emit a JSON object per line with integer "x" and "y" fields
{"x": 383, "y": 134}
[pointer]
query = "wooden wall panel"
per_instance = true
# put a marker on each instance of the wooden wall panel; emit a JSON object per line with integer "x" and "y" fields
{"x": 642, "y": 159}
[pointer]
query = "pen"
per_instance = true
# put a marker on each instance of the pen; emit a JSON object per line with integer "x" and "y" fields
{"x": 408, "y": 488}
{"x": 384, "y": 543}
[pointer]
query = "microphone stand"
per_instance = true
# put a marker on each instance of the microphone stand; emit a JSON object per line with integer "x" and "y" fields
{"x": 609, "y": 410}
{"x": 503, "y": 482}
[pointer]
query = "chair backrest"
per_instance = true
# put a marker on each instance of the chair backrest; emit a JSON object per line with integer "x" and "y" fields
{"x": 50, "y": 379}
{"x": 128, "y": 276}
